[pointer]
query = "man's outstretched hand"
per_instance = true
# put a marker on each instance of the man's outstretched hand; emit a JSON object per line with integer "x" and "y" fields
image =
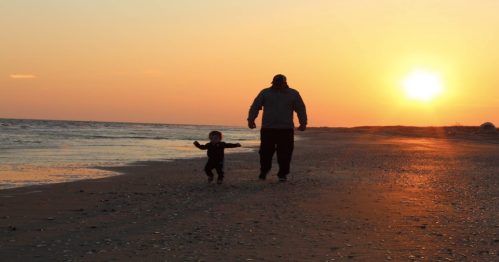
{"x": 251, "y": 125}
{"x": 302, "y": 127}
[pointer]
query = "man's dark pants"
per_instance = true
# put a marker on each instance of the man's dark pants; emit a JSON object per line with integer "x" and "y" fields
{"x": 218, "y": 165}
{"x": 272, "y": 140}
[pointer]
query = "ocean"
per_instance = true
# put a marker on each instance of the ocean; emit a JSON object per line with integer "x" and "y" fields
{"x": 34, "y": 152}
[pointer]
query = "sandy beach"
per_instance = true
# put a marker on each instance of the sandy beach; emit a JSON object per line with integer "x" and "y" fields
{"x": 353, "y": 195}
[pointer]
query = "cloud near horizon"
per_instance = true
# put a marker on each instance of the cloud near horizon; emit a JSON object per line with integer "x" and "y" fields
{"x": 22, "y": 76}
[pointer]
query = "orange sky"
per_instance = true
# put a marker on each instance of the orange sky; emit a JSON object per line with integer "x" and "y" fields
{"x": 204, "y": 61}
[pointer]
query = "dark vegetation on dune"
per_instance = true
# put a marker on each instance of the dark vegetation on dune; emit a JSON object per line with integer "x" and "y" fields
{"x": 456, "y": 131}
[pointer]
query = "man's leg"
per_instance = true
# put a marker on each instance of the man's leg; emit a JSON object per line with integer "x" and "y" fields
{"x": 267, "y": 149}
{"x": 285, "y": 145}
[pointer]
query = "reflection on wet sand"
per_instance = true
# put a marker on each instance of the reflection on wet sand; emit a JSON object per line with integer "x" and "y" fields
{"x": 29, "y": 175}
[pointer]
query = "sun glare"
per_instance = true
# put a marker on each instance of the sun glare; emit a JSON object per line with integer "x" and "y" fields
{"x": 422, "y": 85}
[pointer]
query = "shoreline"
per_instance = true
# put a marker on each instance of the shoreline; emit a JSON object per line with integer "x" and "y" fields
{"x": 43, "y": 152}
{"x": 350, "y": 196}
{"x": 88, "y": 171}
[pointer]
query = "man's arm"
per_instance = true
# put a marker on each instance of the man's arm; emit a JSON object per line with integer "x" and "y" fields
{"x": 254, "y": 110}
{"x": 301, "y": 111}
{"x": 202, "y": 147}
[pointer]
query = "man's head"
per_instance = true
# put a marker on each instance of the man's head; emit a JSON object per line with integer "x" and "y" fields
{"x": 215, "y": 137}
{"x": 279, "y": 82}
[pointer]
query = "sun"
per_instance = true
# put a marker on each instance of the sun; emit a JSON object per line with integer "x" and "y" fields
{"x": 422, "y": 85}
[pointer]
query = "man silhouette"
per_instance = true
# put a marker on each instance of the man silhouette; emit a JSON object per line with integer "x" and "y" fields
{"x": 277, "y": 133}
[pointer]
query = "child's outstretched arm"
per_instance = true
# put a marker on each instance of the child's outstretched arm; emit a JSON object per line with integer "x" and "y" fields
{"x": 229, "y": 145}
{"x": 198, "y": 145}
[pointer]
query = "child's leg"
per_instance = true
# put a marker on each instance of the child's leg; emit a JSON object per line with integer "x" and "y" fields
{"x": 220, "y": 168}
{"x": 208, "y": 167}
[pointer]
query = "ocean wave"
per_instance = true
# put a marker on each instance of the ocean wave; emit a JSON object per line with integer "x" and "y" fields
{"x": 125, "y": 137}
{"x": 52, "y": 142}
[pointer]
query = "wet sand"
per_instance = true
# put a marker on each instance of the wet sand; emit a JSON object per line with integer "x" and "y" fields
{"x": 353, "y": 195}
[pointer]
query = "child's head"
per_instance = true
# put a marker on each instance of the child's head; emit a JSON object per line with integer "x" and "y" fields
{"x": 215, "y": 137}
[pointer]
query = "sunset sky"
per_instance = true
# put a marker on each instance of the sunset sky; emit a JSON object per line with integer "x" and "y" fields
{"x": 204, "y": 61}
